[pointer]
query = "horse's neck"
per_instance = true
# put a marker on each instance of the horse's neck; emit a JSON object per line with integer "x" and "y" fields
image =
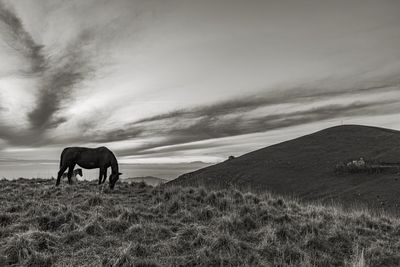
{"x": 114, "y": 166}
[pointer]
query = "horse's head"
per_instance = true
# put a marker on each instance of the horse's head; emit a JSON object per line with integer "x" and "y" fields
{"x": 113, "y": 179}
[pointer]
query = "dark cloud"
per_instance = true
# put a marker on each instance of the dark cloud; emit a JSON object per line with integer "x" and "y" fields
{"x": 15, "y": 136}
{"x": 58, "y": 82}
{"x": 284, "y": 96}
{"x": 15, "y": 35}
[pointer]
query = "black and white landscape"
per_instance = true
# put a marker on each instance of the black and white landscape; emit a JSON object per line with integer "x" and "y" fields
{"x": 199, "y": 133}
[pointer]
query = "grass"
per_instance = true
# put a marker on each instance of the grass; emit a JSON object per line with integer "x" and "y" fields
{"x": 140, "y": 225}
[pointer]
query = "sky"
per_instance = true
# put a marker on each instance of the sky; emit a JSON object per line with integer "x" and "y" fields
{"x": 178, "y": 81}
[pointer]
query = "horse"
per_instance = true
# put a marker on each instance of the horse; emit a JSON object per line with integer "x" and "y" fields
{"x": 75, "y": 173}
{"x": 89, "y": 158}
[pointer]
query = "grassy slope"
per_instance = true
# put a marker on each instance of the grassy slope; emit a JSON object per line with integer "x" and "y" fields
{"x": 150, "y": 180}
{"x": 77, "y": 225}
{"x": 305, "y": 167}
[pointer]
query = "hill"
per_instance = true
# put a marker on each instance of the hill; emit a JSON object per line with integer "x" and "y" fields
{"x": 138, "y": 225}
{"x": 305, "y": 167}
{"x": 149, "y": 180}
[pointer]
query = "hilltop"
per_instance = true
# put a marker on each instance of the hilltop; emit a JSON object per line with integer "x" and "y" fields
{"x": 140, "y": 225}
{"x": 305, "y": 167}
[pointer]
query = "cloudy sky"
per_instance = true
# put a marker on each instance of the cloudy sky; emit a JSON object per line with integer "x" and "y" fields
{"x": 167, "y": 81}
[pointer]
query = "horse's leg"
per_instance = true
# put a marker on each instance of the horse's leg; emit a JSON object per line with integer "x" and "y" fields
{"x": 60, "y": 173}
{"x": 70, "y": 172}
{"x": 101, "y": 175}
{"x": 104, "y": 176}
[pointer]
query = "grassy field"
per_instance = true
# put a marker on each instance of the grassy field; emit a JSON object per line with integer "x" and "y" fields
{"x": 138, "y": 225}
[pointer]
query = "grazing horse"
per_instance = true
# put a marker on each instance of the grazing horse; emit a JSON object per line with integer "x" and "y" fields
{"x": 89, "y": 158}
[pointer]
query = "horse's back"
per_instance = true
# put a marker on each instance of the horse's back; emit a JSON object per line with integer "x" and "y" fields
{"x": 77, "y": 149}
{"x": 69, "y": 152}
{"x": 103, "y": 149}
{"x": 85, "y": 157}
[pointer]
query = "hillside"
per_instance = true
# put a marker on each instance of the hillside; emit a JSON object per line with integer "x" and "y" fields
{"x": 138, "y": 225}
{"x": 305, "y": 167}
{"x": 149, "y": 180}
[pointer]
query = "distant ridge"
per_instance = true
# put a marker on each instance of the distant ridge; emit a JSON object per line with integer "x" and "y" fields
{"x": 305, "y": 167}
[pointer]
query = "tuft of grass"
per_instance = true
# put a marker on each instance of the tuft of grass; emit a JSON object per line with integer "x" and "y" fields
{"x": 39, "y": 259}
{"x": 117, "y": 226}
{"x": 138, "y": 250}
{"x": 18, "y": 250}
{"x": 359, "y": 260}
{"x": 94, "y": 228}
{"x": 44, "y": 241}
{"x": 173, "y": 207}
{"x": 73, "y": 237}
{"x": 95, "y": 200}
{"x": 205, "y": 214}
{"x": 124, "y": 260}
{"x": 146, "y": 263}
{"x": 5, "y": 219}
{"x": 130, "y": 216}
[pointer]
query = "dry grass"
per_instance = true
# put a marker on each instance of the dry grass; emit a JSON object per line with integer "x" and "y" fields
{"x": 138, "y": 225}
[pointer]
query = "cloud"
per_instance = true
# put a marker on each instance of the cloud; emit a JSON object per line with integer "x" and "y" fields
{"x": 56, "y": 72}
{"x": 211, "y": 127}
{"x": 57, "y": 83}
{"x": 281, "y": 96}
{"x": 169, "y": 131}
{"x": 15, "y": 35}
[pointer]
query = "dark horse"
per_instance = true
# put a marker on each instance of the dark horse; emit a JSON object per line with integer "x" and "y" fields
{"x": 89, "y": 158}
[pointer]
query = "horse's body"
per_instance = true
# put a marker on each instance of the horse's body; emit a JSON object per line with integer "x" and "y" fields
{"x": 89, "y": 158}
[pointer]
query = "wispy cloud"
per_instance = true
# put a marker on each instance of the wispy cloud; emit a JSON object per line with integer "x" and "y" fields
{"x": 18, "y": 39}
{"x": 244, "y": 116}
{"x": 56, "y": 85}
{"x": 57, "y": 72}
{"x": 215, "y": 126}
